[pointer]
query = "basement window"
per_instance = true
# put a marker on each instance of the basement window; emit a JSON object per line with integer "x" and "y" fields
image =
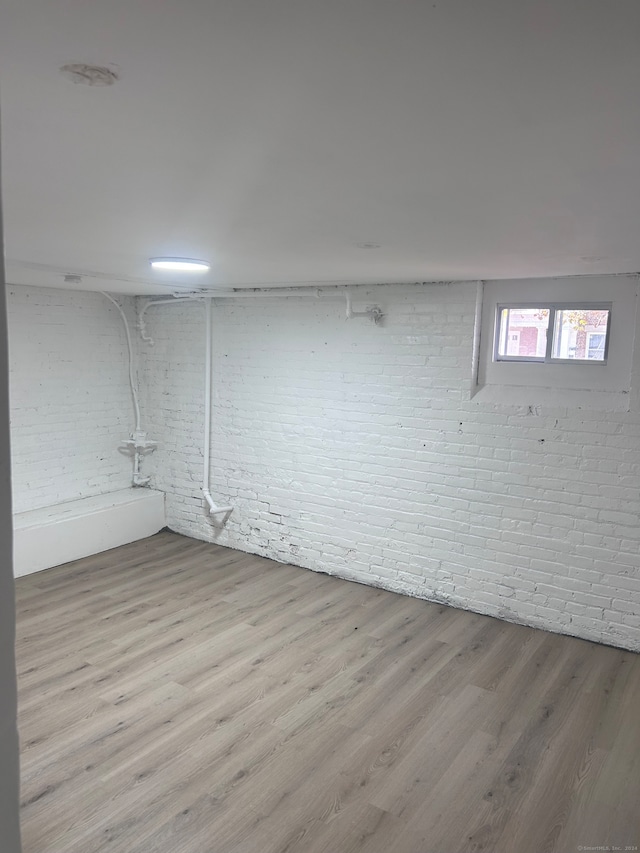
{"x": 556, "y": 333}
{"x": 561, "y": 342}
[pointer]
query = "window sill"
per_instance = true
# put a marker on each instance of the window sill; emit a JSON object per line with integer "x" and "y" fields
{"x": 557, "y": 398}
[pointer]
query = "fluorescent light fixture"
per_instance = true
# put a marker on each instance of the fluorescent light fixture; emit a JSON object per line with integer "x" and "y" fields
{"x": 179, "y": 264}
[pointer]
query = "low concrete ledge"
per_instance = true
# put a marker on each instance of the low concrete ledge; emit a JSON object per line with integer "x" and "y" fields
{"x": 47, "y": 537}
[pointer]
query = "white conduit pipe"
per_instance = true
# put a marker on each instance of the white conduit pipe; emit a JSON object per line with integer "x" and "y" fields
{"x": 477, "y": 331}
{"x": 218, "y": 294}
{"x": 214, "y": 509}
{"x": 141, "y": 325}
{"x": 271, "y": 293}
{"x": 132, "y": 383}
{"x": 350, "y": 312}
{"x": 375, "y": 313}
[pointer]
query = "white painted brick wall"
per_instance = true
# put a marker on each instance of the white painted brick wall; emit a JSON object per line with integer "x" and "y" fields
{"x": 354, "y": 449}
{"x": 70, "y": 398}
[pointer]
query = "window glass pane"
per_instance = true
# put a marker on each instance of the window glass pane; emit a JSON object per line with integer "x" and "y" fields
{"x": 523, "y": 332}
{"x": 580, "y": 334}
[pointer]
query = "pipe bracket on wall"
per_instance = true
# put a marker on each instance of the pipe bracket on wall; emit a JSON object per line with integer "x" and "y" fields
{"x": 137, "y": 447}
{"x": 373, "y": 313}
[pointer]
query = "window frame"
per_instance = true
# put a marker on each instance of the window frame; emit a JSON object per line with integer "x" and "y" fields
{"x": 553, "y": 308}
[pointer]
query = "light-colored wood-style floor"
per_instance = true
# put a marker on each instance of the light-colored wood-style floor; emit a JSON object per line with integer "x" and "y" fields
{"x": 179, "y": 697}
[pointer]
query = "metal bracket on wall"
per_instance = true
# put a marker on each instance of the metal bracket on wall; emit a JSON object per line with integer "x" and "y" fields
{"x": 373, "y": 313}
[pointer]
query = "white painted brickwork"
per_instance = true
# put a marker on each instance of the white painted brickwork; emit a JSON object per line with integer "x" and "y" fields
{"x": 70, "y": 399}
{"x": 355, "y": 450}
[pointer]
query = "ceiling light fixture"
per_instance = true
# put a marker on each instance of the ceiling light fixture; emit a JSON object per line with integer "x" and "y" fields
{"x": 179, "y": 264}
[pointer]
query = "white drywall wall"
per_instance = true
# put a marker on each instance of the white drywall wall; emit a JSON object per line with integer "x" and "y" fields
{"x": 70, "y": 399}
{"x": 356, "y": 450}
{"x": 9, "y": 767}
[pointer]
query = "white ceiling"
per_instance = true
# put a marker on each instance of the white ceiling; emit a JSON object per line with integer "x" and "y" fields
{"x": 469, "y": 138}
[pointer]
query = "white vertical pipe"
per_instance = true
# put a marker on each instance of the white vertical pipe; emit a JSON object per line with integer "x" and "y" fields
{"x": 132, "y": 382}
{"x": 213, "y": 508}
{"x": 477, "y": 332}
{"x": 207, "y": 402}
{"x": 347, "y": 294}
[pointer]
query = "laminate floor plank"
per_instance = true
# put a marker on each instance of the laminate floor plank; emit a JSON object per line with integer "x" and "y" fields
{"x": 181, "y": 697}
